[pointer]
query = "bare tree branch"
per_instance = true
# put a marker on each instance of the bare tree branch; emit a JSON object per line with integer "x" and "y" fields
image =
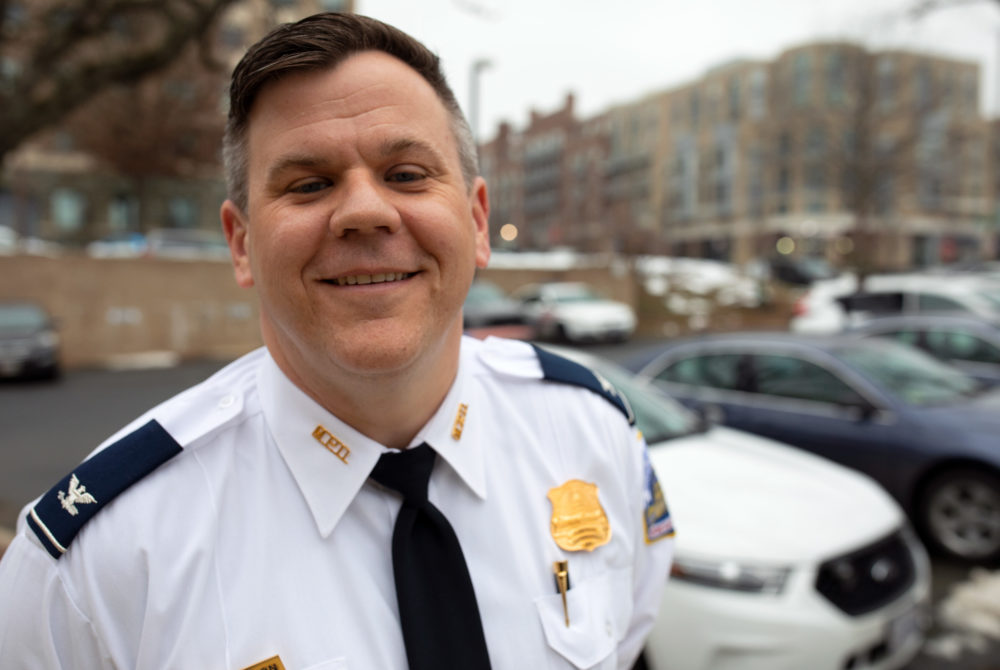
{"x": 70, "y": 50}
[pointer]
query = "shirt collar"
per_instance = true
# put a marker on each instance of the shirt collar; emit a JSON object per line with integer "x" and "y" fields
{"x": 330, "y": 461}
{"x": 455, "y": 431}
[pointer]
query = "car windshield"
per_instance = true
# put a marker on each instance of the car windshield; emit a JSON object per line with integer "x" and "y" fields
{"x": 657, "y": 416}
{"x": 21, "y": 317}
{"x": 991, "y": 298}
{"x": 913, "y": 376}
{"x": 572, "y": 293}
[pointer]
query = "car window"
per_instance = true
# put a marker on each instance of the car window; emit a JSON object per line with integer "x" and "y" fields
{"x": 928, "y": 302}
{"x": 715, "y": 370}
{"x": 875, "y": 303}
{"x": 904, "y": 335}
{"x": 961, "y": 345}
{"x": 793, "y": 377}
{"x": 657, "y": 416}
{"x": 912, "y": 375}
{"x": 22, "y": 317}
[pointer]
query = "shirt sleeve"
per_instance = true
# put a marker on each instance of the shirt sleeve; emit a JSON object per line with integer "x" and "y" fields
{"x": 40, "y": 625}
{"x": 654, "y": 548}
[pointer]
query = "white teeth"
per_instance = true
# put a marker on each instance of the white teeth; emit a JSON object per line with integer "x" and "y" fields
{"x": 371, "y": 279}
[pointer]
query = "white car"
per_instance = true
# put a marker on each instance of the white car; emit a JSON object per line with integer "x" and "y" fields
{"x": 574, "y": 312}
{"x": 832, "y": 305}
{"x": 784, "y": 560}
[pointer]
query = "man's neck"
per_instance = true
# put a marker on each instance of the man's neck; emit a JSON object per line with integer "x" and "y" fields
{"x": 390, "y": 408}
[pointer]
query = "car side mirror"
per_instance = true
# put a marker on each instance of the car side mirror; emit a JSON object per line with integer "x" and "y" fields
{"x": 860, "y": 410}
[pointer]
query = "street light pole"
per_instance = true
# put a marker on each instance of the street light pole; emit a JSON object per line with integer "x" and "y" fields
{"x": 478, "y": 66}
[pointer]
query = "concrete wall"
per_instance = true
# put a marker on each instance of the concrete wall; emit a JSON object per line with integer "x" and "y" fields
{"x": 119, "y": 312}
{"x": 110, "y": 310}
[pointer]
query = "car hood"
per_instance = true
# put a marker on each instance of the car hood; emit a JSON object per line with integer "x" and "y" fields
{"x": 743, "y": 497}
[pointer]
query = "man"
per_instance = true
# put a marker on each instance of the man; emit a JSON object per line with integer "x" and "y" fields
{"x": 254, "y": 521}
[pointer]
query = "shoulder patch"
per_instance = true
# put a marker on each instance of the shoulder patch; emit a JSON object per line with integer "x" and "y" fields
{"x": 656, "y": 516}
{"x": 62, "y": 512}
{"x": 559, "y": 369}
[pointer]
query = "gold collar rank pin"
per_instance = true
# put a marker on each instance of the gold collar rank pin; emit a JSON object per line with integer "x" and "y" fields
{"x": 459, "y": 425}
{"x": 273, "y": 663}
{"x": 333, "y": 445}
{"x": 579, "y": 522}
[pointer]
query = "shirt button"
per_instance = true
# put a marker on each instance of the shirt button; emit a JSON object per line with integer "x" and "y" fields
{"x": 226, "y": 401}
{"x": 607, "y": 628}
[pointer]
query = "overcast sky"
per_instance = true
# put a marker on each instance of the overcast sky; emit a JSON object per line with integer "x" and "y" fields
{"x": 614, "y": 51}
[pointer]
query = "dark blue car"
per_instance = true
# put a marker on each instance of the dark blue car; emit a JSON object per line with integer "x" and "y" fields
{"x": 927, "y": 432}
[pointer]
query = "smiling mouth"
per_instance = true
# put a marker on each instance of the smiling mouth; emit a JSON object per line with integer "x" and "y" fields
{"x": 381, "y": 278}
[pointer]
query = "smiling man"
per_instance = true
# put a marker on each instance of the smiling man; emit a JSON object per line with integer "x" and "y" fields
{"x": 371, "y": 489}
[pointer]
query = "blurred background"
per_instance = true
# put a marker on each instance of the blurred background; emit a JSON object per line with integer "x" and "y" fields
{"x": 657, "y": 170}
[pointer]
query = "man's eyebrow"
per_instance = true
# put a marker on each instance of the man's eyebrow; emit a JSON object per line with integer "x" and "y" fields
{"x": 293, "y": 162}
{"x": 402, "y": 145}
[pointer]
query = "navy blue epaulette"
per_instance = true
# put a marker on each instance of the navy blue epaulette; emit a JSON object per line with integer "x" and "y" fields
{"x": 62, "y": 512}
{"x": 558, "y": 369}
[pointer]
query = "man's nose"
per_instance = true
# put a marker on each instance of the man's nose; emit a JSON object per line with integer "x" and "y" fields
{"x": 363, "y": 206}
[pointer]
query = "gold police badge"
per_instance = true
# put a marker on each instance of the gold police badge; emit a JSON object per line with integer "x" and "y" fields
{"x": 579, "y": 523}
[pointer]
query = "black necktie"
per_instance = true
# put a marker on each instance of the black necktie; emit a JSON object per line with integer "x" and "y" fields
{"x": 437, "y": 606}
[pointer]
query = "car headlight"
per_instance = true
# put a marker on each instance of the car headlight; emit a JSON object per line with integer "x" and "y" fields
{"x": 731, "y": 575}
{"x": 48, "y": 339}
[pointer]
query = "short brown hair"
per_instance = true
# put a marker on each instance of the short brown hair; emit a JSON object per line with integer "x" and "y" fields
{"x": 319, "y": 42}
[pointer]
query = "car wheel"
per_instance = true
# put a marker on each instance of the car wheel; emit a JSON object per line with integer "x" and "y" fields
{"x": 960, "y": 514}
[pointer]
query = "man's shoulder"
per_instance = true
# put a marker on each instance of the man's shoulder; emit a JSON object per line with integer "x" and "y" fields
{"x": 525, "y": 361}
{"x": 182, "y": 423}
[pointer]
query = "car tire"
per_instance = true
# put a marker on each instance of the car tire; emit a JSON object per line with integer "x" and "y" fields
{"x": 959, "y": 514}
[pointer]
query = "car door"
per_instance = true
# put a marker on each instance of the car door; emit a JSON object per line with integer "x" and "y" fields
{"x": 809, "y": 404}
{"x": 708, "y": 382}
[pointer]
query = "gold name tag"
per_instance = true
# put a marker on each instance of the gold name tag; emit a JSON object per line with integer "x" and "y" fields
{"x": 579, "y": 523}
{"x": 273, "y": 663}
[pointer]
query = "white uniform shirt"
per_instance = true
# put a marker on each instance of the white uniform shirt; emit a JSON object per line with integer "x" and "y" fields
{"x": 265, "y": 538}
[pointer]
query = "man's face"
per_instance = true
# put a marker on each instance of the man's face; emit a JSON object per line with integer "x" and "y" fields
{"x": 360, "y": 234}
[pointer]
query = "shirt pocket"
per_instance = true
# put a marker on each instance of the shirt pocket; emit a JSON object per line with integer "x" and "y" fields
{"x": 599, "y": 610}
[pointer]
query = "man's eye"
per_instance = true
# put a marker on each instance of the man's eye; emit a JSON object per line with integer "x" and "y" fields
{"x": 309, "y": 187}
{"x": 405, "y": 176}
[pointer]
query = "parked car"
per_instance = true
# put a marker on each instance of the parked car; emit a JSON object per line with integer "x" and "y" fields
{"x": 29, "y": 343}
{"x": 783, "y": 560}
{"x": 833, "y": 305}
{"x": 490, "y": 311}
{"x": 923, "y": 429}
{"x": 969, "y": 343}
{"x": 575, "y": 312}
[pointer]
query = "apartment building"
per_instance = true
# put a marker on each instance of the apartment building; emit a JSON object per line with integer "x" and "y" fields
{"x": 863, "y": 157}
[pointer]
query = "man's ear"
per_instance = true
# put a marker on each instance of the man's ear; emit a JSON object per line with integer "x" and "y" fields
{"x": 480, "y": 203}
{"x": 234, "y": 225}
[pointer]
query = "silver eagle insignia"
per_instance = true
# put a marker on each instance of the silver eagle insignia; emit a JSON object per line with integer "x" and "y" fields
{"x": 76, "y": 495}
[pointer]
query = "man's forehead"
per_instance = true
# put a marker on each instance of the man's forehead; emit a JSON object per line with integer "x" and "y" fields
{"x": 354, "y": 79}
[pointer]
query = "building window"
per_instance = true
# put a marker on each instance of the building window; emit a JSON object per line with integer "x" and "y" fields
{"x": 758, "y": 93}
{"x": 836, "y": 78}
{"x": 68, "y": 210}
{"x": 800, "y": 80}
{"x": 922, "y": 85}
{"x": 123, "y": 213}
{"x": 182, "y": 212}
{"x": 885, "y": 82}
